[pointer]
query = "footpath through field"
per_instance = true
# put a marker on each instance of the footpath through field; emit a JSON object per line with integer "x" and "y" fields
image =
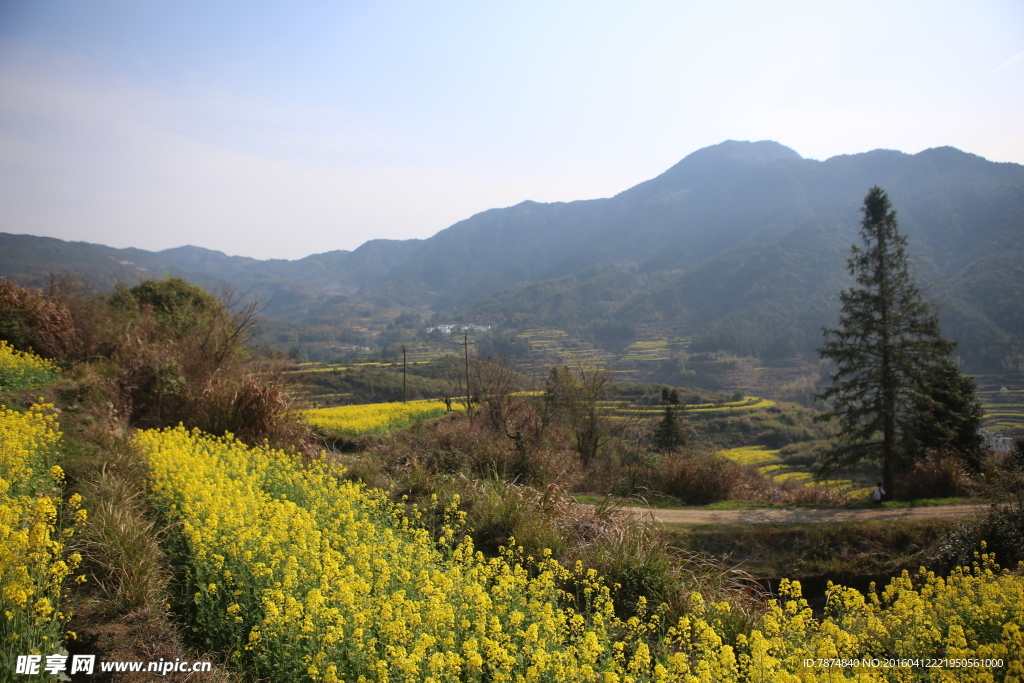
{"x": 803, "y": 515}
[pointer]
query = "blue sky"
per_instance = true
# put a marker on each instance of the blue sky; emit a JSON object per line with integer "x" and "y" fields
{"x": 277, "y": 130}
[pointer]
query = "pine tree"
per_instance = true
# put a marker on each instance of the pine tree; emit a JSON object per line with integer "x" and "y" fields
{"x": 946, "y": 414}
{"x": 670, "y": 434}
{"x": 887, "y": 343}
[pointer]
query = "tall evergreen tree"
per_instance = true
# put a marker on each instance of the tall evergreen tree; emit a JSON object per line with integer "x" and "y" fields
{"x": 670, "y": 434}
{"x": 946, "y": 414}
{"x": 887, "y": 342}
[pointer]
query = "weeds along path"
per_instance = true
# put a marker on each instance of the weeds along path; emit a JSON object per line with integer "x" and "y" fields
{"x": 803, "y": 515}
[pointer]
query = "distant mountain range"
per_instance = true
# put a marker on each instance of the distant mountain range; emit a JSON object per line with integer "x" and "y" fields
{"x": 740, "y": 246}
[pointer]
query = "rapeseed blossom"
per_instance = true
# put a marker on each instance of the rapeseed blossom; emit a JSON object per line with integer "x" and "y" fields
{"x": 32, "y": 562}
{"x": 299, "y": 575}
{"x": 302, "y": 576}
{"x": 23, "y": 370}
{"x": 374, "y": 418}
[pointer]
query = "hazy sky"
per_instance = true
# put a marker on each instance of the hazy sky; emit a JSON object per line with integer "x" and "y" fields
{"x": 277, "y": 130}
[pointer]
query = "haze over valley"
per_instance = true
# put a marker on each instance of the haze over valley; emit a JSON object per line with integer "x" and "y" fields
{"x": 738, "y": 249}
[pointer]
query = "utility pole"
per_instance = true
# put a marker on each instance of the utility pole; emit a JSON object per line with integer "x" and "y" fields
{"x": 469, "y": 407}
{"x": 403, "y": 373}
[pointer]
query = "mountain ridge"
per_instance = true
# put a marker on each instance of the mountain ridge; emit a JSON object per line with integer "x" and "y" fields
{"x": 741, "y": 245}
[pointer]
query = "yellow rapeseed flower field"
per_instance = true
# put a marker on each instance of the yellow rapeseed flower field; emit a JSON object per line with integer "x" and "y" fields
{"x": 302, "y": 576}
{"x": 751, "y": 455}
{"x": 298, "y": 575}
{"x": 375, "y": 418}
{"x": 22, "y": 370}
{"x": 32, "y": 563}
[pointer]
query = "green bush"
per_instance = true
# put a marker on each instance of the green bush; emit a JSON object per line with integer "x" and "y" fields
{"x": 1002, "y": 530}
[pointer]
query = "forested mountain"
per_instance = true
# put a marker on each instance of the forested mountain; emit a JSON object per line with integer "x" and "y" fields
{"x": 288, "y": 288}
{"x": 741, "y": 246}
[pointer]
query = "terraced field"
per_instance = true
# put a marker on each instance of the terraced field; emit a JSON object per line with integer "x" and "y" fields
{"x": 1003, "y": 399}
{"x": 549, "y": 347}
{"x": 640, "y": 358}
{"x": 743, "y": 405}
{"x": 769, "y": 463}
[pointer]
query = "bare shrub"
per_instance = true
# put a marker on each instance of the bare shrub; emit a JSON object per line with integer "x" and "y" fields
{"x": 180, "y": 358}
{"x": 32, "y": 321}
{"x": 575, "y": 397}
{"x": 942, "y": 473}
{"x": 751, "y": 484}
{"x": 457, "y": 445}
{"x": 253, "y": 406}
{"x": 800, "y": 494}
{"x": 697, "y": 477}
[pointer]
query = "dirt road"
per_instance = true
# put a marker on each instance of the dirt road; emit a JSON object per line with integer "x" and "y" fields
{"x": 789, "y": 515}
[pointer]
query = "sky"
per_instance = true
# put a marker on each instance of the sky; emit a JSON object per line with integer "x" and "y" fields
{"x": 278, "y": 130}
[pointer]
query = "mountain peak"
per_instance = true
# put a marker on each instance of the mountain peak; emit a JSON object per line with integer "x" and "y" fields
{"x": 742, "y": 151}
{"x": 720, "y": 160}
{"x": 190, "y": 256}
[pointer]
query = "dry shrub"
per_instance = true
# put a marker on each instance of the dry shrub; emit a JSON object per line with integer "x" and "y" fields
{"x": 751, "y": 484}
{"x": 942, "y": 473}
{"x": 1002, "y": 474}
{"x": 32, "y": 321}
{"x": 697, "y": 477}
{"x": 801, "y": 494}
{"x": 472, "y": 448}
{"x": 180, "y": 358}
{"x": 694, "y": 476}
{"x": 364, "y": 466}
{"x": 450, "y": 445}
{"x": 172, "y": 352}
{"x": 253, "y": 406}
{"x": 607, "y": 476}
{"x": 455, "y": 445}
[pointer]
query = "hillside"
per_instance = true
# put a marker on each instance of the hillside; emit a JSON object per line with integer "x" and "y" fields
{"x": 740, "y": 247}
{"x": 286, "y": 287}
{"x": 761, "y": 275}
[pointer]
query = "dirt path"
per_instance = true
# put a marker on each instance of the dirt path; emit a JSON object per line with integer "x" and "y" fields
{"x": 789, "y": 515}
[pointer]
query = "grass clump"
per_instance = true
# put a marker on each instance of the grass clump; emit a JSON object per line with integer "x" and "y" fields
{"x": 941, "y": 473}
{"x": 120, "y": 545}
